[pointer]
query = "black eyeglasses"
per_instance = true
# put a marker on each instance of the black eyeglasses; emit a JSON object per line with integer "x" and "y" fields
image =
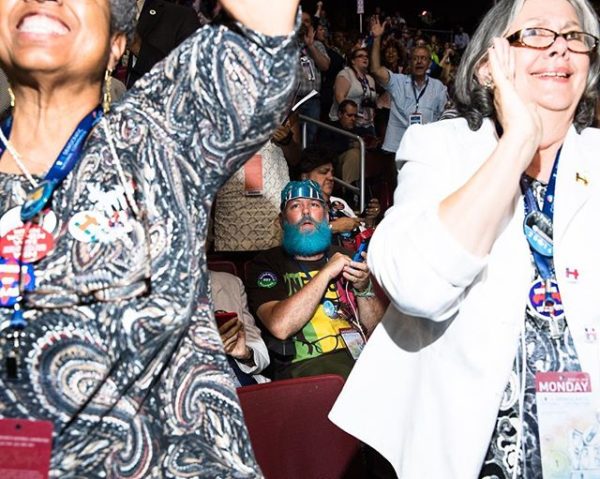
{"x": 542, "y": 38}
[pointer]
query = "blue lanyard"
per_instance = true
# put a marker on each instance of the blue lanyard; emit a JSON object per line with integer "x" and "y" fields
{"x": 421, "y": 93}
{"x": 39, "y": 197}
{"x": 544, "y": 264}
{"x": 62, "y": 166}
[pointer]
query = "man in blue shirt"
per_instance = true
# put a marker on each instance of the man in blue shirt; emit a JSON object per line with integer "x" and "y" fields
{"x": 416, "y": 98}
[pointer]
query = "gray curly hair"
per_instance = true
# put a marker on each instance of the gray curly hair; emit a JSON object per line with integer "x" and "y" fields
{"x": 474, "y": 102}
{"x": 122, "y": 17}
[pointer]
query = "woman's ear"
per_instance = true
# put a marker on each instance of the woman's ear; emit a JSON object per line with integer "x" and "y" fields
{"x": 483, "y": 73}
{"x": 118, "y": 43}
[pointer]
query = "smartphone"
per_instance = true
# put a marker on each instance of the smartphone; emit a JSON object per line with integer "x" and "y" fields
{"x": 223, "y": 316}
{"x": 363, "y": 247}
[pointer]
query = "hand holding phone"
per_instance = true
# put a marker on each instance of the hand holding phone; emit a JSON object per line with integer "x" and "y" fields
{"x": 358, "y": 255}
{"x": 224, "y": 316}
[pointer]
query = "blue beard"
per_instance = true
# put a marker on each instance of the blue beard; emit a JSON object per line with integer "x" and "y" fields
{"x": 299, "y": 243}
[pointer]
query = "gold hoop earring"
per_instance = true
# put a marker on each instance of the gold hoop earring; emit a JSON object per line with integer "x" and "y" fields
{"x": 12, "y": 97}
{"x": 106, "y": 97}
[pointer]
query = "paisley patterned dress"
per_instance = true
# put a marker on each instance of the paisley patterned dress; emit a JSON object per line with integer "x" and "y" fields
{"x": 121, "y": 351}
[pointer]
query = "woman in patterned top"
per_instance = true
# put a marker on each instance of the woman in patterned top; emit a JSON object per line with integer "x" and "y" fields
{"x": 490, "y": 255}
{"x": 107, "y": 329}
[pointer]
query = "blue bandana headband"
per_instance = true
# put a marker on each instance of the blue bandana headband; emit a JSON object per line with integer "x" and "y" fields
{"x": 301, "y": 189}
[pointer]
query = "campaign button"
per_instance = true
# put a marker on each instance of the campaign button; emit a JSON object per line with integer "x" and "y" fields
{"x": 546, "y": 304}
{"x": 9, "y": 280}
{"x": 581, "y": 178}
{"x": 12, "y": 219}
{"x": 591, "y": 335}
{"x": 37, "y": 199}
{"x": 28, "y": 243}
{"x": 572, "y": 274}
{"x": 87, "y": 226}
{"x": 330, "y": 309}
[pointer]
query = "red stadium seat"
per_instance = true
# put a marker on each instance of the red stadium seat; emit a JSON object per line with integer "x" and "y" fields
{"x": 291, "y": 434}
{"x": 223, "y": 266}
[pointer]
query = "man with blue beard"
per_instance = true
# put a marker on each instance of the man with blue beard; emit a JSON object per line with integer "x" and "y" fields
{"x": 315, "y": 305}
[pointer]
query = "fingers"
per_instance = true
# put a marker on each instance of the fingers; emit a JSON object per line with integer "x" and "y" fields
{"x": 355, "y": 275}
{"x": 502, "y": 62}
{"x": 230, "y": 329}
{"x": 230, "y": 343}
{"x": 357, "y": 272}
{"x": 356, "y": 266}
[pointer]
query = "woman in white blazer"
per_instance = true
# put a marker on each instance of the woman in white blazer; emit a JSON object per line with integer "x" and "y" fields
{"x": 445, "y": 388}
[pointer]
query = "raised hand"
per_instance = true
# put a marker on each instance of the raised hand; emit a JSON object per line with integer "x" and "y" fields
{"x": 265, "y": 16}
{"x": 309, "y": 37}
{"x": 518, "y": 117}
{"x": 344, "y": 224}
{"x": 377, "y": 28}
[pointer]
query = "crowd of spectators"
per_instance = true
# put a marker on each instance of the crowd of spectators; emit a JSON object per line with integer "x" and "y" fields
{"x": 372, "y": 84}
{"x": 302, "y": 300}
{"x": 364, "y": 85}
{"x": 342, "y": 66}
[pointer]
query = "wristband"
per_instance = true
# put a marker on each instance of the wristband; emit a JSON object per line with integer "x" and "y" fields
{"x": 365, "y": 293}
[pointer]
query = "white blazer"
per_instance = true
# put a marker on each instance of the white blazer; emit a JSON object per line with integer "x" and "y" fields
{"x": 426, "y": 390}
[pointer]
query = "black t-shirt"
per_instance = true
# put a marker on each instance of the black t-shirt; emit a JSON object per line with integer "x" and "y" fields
{"x": 274, "y": 276}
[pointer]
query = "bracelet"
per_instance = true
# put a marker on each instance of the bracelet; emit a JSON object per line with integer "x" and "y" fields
{"x": 365, "y": 293}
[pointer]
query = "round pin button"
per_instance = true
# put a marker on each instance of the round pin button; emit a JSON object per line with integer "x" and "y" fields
{"x": 28, "y": 243}
{"x": 543, "y": 305}
{"x": 330, "y": 309}
{"x": 37, "y": 199}
{"x": 87, "y": 226}
{"x": 12, "y": 219}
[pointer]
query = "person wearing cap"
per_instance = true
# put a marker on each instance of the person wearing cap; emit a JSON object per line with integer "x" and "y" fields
{"x": 316, "y": 305}
{"x": 317, "y": 164}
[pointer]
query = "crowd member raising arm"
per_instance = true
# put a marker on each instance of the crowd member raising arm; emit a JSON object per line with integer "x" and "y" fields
{"x": 107, "y": 331}
{"x": 489, "y": 256}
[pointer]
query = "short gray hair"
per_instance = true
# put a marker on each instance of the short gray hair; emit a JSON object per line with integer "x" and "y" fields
{"x": 475, "y": 102}
{"x": 123, "y": 17}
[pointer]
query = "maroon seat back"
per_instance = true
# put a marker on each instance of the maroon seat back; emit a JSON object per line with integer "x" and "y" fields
{"x": 223, "y": 266}
{"x": 291, "y": 434}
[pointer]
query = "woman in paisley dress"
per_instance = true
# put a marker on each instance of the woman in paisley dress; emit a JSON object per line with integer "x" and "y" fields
{"x": 490, "y": 256}
{"x": 107, "y": 328}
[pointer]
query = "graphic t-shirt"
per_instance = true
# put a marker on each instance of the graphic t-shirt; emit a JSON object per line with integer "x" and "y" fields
{"x": 274, "y": 276}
